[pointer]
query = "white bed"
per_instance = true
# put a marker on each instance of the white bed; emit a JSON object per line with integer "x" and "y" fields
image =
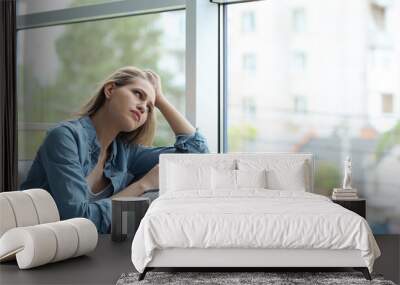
{"x": 226, "y": 226}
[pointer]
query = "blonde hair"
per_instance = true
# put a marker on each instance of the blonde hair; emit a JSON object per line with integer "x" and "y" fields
{"x": 143, "y": 135}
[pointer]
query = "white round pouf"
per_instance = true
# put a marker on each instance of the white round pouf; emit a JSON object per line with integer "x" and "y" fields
{"x": 31, "y": 233}
{"x": 45, "y": 206}
{"x": 7, "y": 216}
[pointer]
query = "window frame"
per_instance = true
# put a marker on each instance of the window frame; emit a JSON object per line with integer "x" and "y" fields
{"x": 96, "y": 12}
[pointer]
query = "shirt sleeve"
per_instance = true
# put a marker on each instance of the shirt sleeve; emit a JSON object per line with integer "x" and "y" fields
{"x": 143, "y": 158}
{"x": 67, "y": 182}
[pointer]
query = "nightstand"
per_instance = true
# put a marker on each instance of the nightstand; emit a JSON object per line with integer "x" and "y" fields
{"x": 357, "y": 205}
{"x": 127, "y": 212}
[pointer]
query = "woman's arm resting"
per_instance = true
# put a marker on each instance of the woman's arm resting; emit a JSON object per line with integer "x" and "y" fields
{"x": 148, "y": 181}
{"x": 143, "y": 158}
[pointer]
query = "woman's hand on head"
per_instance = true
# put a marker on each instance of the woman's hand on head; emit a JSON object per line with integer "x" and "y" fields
{"x": 158, "y": 88}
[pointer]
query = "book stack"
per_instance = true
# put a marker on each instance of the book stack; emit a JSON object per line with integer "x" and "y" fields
{"x": 344, "y": 194}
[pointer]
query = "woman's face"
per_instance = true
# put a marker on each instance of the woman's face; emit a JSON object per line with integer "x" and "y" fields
{"x": 131, "y": 104}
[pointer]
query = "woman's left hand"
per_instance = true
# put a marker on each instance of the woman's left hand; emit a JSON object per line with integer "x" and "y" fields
{"x": 159, "y": 94}
{"x": 178, "y": 123}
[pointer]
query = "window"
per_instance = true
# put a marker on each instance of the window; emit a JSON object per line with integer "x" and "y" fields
{"x": 300, "y": 104}
{"x": 382, "y": 59}
{"x": 249, "y": 107}
{"x": 249, "y": 63}
{"x": 298, "y": 20}
{"x": 336, "y": 99}
{"x": 387, "y": 103}
{"x": 378, "y": 14}
{"x": 299, "y": 61}
{"x": 248, "y": 22}
{"x": 59, "y": 67}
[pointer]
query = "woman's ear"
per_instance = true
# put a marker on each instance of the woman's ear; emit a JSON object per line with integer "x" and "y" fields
{"x": 108, "y": 89}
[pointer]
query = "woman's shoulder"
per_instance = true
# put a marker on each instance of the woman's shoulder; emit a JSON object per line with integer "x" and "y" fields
{"x": 68, "y": 128}
{"x": 64, "y": 140}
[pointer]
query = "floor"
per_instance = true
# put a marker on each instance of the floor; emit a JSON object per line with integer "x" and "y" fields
{"x": 110, "y": 260}
{"x": 389, "y": 262}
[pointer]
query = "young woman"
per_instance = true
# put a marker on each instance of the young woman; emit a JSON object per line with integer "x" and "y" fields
{"x": 106, "y": 151}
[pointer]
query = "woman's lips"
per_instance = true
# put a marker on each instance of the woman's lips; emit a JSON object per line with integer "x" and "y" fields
{"x": 136, "y": 115}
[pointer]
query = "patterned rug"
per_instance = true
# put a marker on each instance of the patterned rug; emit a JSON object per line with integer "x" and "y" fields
{"x": 269, "y": 278}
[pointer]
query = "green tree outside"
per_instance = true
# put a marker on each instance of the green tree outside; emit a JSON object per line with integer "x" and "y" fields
{"x": 387, "y": 140}
{"x": 239, "y": 135}
{"x": 327, "y": 177}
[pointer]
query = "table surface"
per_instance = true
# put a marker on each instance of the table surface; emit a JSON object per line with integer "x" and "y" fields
{"x": 110, "y": 259}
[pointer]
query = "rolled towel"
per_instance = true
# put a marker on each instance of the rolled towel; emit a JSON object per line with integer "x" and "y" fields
{"x": 40, "y": 244}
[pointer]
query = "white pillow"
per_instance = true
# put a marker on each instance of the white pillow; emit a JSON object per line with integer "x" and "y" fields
{"x": 251, "y": 178}
{"x": 282, "y": 174}
{"x": 229, "y": 179}
{"x": 289, "y": 179}
{"x": 223, "y": 179}
{"x": 184, "y": 177}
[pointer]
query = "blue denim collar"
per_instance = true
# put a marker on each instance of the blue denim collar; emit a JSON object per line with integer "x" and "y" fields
{"x": 87, "y": 123}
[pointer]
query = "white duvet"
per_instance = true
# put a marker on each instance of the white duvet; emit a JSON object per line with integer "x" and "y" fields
{"x": 250, "y": 218}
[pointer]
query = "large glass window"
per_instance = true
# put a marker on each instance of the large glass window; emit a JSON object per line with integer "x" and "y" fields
{"x": 326, "y": 83}
{"x": 59, "y": 68}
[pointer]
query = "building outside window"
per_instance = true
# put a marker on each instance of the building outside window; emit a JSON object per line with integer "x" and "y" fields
{"x": 378, "y": 13}
{"x": 249, "y": 107}
{"x": 249, "y": 63}
{"x": 342, "y": 87}
{"x": 299, "y": 20}
{"x": 387, "y": 103}
{"x": 300, "y": 104}
{"x": 248, "y": 21}
{"x": 299, "y": 61}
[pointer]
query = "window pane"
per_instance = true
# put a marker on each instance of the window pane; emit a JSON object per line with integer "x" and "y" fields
{"x": 316, "y": 83}
{"x": 37, "y": 6}
{"x": 298, "y": 20}
{"x": 387, "y": 103}
{"x": 59, "y": 68}
{"x": 248, "y": 22}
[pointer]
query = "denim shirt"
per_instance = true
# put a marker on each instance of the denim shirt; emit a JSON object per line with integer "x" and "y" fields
{"x": 71, "y": 150}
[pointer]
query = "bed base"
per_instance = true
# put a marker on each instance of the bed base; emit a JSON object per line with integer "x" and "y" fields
{"x": 244, "y": 259}
{"x": 364, "y": 270}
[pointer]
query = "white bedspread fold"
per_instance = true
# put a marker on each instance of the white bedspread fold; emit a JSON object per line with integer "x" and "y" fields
{"x": 250, "y": 218}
